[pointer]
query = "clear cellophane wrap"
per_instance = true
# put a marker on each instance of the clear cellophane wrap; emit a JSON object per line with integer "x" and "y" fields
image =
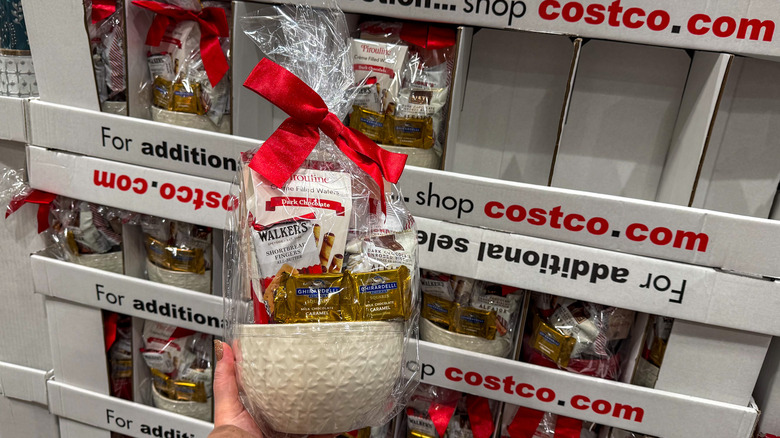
{"x": 321, "y": 274}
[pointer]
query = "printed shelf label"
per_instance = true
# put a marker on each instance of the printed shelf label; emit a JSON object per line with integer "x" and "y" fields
{"x": 604, "y": 402}
{"x": 127, "y": 295}
{"x": 638, "y": 283}
{"x": 157, "y": 192}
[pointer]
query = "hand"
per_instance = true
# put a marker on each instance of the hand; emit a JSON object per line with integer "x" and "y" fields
{"x": 228, "y": 409}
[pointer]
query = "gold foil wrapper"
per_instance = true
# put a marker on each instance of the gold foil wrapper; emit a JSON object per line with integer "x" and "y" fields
{"x": 189, "y": 391}
{"x": 162, "y": 383}
{"x": 412, "y": 132}
{"x": 313, "y": 298}
{"x": 162, "y": 93}
{"x": 122, "y": 368}
{"x": 475, "y": 322}
{"x": 187, "y": 98}
{"x": 657, "y": 351}
{"x": 553, "y": 344}
{"x": 382, "y": 295}
{"x": 438, "y": 310}
{"x": 370, "y": 123}
{"x": 175, "y": 259}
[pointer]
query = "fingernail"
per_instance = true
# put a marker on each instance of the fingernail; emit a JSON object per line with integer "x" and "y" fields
{"x": 218, "y": 349}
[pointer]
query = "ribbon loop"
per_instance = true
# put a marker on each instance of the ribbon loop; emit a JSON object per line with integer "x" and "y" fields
{"x": 102, "y": 9}
{"x": 43, "y": 199}
{"x": 213, "y": 25}
{"x": 287, "y": 148}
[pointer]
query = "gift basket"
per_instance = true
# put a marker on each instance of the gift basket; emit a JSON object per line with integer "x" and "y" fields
{"x": 89, "y": 234}
{"x": 403, "y": 73}
{"x": 106, "y": 28}
{"x": 118, "y": 333}
{"x": 572, "y": 335}
{"x": 321, "y": 253}
{"x": 180, "y": 363}
{"x": 648, "y": 365}
{"x": 435, "y": 412}
{"x": 469, "y": 314}
{"x": 188, "y": 44}
{"x": 177, "y": 253}
{"x": 17, "y": 75}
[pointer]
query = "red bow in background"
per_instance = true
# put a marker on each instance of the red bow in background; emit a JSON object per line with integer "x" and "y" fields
{"x": 43, "y": 199}
{"x": 287, "y": 148}
{"x": 213, "y": 25}
{"x": 527, "y": 420}
{"x": 102, "y": 9}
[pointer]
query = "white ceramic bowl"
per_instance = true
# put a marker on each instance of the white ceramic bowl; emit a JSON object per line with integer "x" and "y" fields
{"x": 319, "y": 378}
{"x": 500, "y": 346}
{"x": 190, "y": 120}
{"x": 187, "y": 280}
{"x": 201, "y": 411}
{"x": 417, "y": 157}
{"x": 111, "y": 262}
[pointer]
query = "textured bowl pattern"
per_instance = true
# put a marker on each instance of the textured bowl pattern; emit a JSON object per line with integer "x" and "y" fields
{"x": 201, "y": 411}
{"x": 187, "y": 280}
{"x": 111, "y": 262}
{"x": 432, "y": 333}
{"x": 319, "y": 378}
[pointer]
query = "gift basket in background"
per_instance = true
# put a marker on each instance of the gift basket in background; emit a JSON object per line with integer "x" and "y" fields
{"x": 180, "y": 364}
{"x": 75, "y": 231}
{"x": 188, "y": 45}
{"x": 575, "y": 336}
{"x": 403, "y": 71}
{"x": 321, "y": 252}
{"x": 89, "y": 234}
{"x": 648, "y": 365}
{"x": 435, "y": 412}
{"x": 469, "y": 314}
{"x": 17, "y": 75}
{"x": 105, "y": 21}
{"x": 178, "y": 253}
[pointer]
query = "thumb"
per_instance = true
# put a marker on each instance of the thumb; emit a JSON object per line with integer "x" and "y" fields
{"x": 227, "y": 405}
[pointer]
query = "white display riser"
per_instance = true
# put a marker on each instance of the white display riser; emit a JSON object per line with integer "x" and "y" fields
{"x": 13, "y": 125}
{"x": 24, "y": 403}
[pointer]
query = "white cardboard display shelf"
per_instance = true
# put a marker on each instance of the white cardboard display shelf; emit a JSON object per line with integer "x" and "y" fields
{"x": 137, "y": 141}
{"x": 744, "y": 27}
{"x": 12, "y": 123}
{"x": 630, "y": 407}
{"x": 23, "y": 383}
{"x": 699, "y": 237}
{"x": 145, "y": 190}
{"x": 117, "y": 415}
{"x": 686, "y": 291}
{"x": 128, "y": 295}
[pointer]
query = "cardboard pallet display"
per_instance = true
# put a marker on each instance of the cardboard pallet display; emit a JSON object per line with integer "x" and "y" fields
{"x": 527, "y": 110}
{"x": 24, "y": 402}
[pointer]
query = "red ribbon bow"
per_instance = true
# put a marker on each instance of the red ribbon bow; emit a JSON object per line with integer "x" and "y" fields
{"x": 102, "y": 9}
{"x": 428, "y": 37}
{"x": 480, "y": 417}
{"x": 43, "y": 199}
{"x": 526, "y": 421}
{"x": 213, "y": 25}
{"x": 287, "y": 148}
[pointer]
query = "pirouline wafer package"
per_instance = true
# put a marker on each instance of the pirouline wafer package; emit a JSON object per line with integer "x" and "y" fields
{"x": 321, "y": 259}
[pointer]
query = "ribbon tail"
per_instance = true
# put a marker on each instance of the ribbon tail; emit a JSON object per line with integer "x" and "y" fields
{"x": 440, "y": 414}
{"x": 566, "y": 427}
{"x": 157, "y": 30}
{"x": 102, "y": 9}
{"x": 213, "y": 57}
{"x": 480, "y": 417}
{"x": 285, "y": 151}
{"x": 525, "y": 423}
